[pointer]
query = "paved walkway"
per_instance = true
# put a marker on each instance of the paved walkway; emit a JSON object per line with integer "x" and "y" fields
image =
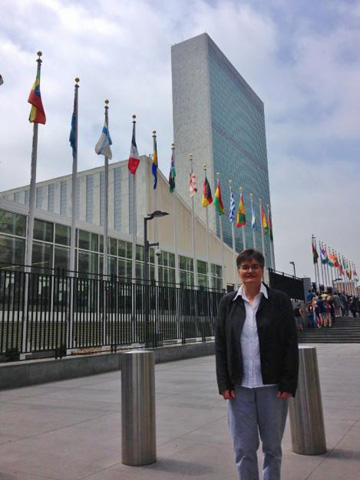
{"x": 72, "y": 429}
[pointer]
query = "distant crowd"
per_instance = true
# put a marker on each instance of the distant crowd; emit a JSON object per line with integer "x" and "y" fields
{"x": 321, "y": 309}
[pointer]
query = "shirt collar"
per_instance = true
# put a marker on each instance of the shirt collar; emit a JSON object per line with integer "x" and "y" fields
{"x": 241, "y": 292}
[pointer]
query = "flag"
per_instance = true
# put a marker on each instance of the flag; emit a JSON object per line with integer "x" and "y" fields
{"x": 314, "y": 250}
{"x": 72, "y": 138}
{"x": 172, "y": 173}
{"x": 254, "y": 225}
{"x": 154, "y": 166}
{"x": 323, "y": 254}
{"x": 240, "y": 216}
{"x": 103, "y": 145}
{"x": 341, "y": 268}
{"x": 232, "y": 207}
{"x": 218, "y": 200}
{"x": 263, "y": 220}
{"x": 134, "y": 159}
{"x": 37, "y": 113}
{"x": 192, "y": 185}
{"x": 331, "y": 259}
{"x": 270, "y": 227}
{"x": 207, "y": 197}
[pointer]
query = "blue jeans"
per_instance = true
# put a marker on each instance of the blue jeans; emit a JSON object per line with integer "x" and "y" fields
{"x": 254, "y": 412}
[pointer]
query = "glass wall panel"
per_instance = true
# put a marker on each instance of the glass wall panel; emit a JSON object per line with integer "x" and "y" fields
{"x": 62, "y": 234}
{"x": 12, "y": 251}
{"x": 42, "y": 255}
{"x": 62, "y": 258}
{"x": 43, "y": 230}
{"x": 12, "y": 223}
{"x": 88, "y": 262}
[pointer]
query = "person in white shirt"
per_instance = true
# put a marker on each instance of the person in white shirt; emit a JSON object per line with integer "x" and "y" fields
{"x": 256, "y": 366}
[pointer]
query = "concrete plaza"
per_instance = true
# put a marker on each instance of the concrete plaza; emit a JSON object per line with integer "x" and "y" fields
{"x": 72, "y": 429}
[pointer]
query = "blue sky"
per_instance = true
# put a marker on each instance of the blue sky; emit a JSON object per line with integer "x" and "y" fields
{"x": 301, "y": 58}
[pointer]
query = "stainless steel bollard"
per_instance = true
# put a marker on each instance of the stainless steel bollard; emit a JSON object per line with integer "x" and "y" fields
{"x": 306, "y": 414}
{"x": 138, "y": 408}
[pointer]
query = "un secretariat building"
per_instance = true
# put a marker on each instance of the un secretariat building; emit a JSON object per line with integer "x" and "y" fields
{"x": 220, "y": 120}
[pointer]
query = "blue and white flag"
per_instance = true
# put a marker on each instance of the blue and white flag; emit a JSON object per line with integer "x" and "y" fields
{"x": 254, "y": 225}
{"x": 232, "y": 207}
{"x": 103, "y": 145}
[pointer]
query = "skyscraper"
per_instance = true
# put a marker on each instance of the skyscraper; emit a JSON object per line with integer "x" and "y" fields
{"x": 220, "y": 120}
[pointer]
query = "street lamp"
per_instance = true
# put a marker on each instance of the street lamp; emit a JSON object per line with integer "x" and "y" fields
{"x": 293, "y": 264}
{"x": 147, "y": 245}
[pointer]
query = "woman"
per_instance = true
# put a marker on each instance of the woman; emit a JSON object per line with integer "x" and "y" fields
{"x": 256, "y": 366}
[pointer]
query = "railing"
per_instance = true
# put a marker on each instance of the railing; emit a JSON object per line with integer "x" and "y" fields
{"x": 50, "y": 314}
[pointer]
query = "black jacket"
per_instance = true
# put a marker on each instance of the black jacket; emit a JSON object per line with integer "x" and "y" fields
{"x": 277, "y": 339}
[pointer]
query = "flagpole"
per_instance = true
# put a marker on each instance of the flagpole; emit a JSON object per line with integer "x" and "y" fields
{"x": 313, "y": 247}
{"x": 222, "y": 243}
{"x": 207, "y": 241}
{"x": 177, "y": 271}
{"x": 106, "y": 200}
{"x": 73, "y": 215}
{"x": 233, "y": 239}
{"x": 30, "y": 225}
{"x": 156, "y": 226}
{"x": 32, "y": 196}
{"x": 272, "y": 256}
{"x": 193, "y": 226}
{"x": 262, "y": 231}
{"x": 321, "y": 262}
{"x": 252, "y": 212}
{"x": 134, "y": 223}
{"x": 243, "y": 227}
{"x": 74, "y": 180}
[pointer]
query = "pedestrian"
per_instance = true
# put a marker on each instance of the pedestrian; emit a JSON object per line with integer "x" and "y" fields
{"x": 311, "y": 311}
{"x": 257, "y": 366}
{"x": 353, "y": 306}
{"x": 299, "y": 317}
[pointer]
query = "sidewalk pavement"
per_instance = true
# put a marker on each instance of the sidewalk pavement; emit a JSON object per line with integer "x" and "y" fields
{"x": 72, "y": 429}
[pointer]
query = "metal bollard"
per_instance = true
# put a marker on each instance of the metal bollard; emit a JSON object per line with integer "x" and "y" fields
{"x": 138, "y": 408}
{"x": 306, "y": 414}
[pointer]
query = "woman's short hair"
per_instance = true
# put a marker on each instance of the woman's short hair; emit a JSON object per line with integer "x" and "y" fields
{"x": 250, "y": 254}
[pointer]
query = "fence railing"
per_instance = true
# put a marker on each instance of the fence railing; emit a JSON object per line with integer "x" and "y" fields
{"x": 51, "y": 313}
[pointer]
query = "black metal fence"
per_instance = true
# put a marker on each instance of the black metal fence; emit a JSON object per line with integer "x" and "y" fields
{"x": 50, "y": 314}
{"x": 293, "y": 286}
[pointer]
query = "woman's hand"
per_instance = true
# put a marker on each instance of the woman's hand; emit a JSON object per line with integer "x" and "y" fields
{"x": 227, "y": 394}
{"x": 284, "y": 395}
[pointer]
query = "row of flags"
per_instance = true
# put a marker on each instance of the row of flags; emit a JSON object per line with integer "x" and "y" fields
{"x": 333, "y": 259}
{"x": 103, "y": 147}
{"x": 207, "y": 200}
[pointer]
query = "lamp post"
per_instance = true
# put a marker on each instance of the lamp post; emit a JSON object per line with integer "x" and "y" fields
{"x": 147, "y": 245}
{"x": 293, "y": 264}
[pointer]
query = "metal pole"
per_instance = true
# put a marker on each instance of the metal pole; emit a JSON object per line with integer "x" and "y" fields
{"x": 156, "y": 227}
{"x": 193, "y": 227}
{"x": 177, "y": 272}
{"x": 233, "y": 238}
{"x": 207, "y": 241}
{"x": 271, "y": 235}
{"x": 146, "y": 282}
{"x": 138, "y": 408}
{"x": 262, "y": 230}
{"x": 243, "y": 227}
{"x": 70, "y": 337}
{"x": 252, "y": 214}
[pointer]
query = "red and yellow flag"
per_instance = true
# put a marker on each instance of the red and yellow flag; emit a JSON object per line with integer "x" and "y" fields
{"x": 240, "y": 216}
{"x": 264, "y": 223}
{"x": 37, "y": 113}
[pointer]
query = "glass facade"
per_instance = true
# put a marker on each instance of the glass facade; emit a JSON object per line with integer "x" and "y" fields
{"x": 63, "y": 198}
{"x": 239, "y": 143}
{"x": 51, "y": 249}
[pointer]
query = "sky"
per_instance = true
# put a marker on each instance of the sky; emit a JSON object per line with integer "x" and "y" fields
{"x": 301, "y": 58}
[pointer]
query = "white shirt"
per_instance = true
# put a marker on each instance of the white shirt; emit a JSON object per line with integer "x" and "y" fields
{"x": 249, "y": 340}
